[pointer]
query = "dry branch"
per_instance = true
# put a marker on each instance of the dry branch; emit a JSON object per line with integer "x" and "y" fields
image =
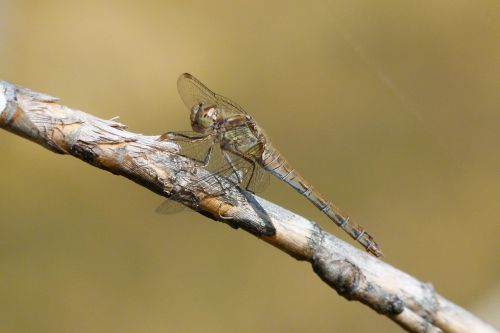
{"x": 155, "y": 164}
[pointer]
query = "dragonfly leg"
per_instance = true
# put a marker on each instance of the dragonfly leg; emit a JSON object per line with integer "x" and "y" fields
{"x": 235, "y": 174}
{"x": 181, "y": 137}
{"x": 245, "y": 158}
{"x": 205, "y": 161}
{"x": 250, "y": 161}
{"x": 230, "y": 162}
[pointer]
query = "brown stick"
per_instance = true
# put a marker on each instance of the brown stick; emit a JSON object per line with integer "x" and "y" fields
{"x": 355, "y": 275}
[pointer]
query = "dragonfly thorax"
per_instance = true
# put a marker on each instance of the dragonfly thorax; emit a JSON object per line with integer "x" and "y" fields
{"x": 204, "y": 117}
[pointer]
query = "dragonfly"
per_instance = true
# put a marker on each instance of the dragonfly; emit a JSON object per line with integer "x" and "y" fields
{"x": 217, "y": 121}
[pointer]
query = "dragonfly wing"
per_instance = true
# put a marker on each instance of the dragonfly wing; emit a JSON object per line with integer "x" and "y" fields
{"x": 242, "y": 172}
{"x": 193, "y": 92}
{"x": 194, "y": 149}
{"x": 260, "y": 180}
{"x": 169, "y": 207}
{"x": 253, "y": 177}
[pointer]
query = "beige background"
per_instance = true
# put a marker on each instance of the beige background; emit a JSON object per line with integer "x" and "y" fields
{"x": 391, "y": 108}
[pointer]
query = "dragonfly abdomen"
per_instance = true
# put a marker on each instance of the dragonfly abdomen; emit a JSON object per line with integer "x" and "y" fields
{"x": 274, "y": 162}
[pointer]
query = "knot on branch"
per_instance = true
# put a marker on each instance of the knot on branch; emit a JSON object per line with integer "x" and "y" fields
{"x": 349, "y": 282}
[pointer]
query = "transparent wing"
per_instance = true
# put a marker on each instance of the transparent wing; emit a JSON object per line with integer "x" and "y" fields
{"x": 260, "y": 180}
{"x": 168, "y": 207}
{"x": 192, "y": 92}
{"x": 254, "y": 177}
{"x": 250, "y": 175}
{"x": 195, "y": 150}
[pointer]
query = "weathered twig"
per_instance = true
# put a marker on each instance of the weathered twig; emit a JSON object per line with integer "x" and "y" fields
{"x": 156, "y": 165}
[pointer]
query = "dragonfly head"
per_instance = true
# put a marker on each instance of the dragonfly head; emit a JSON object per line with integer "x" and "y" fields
{"x": 204, "y": 117}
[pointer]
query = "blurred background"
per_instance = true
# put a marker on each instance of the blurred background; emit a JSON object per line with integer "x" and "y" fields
{"x": 391, "y": 109}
